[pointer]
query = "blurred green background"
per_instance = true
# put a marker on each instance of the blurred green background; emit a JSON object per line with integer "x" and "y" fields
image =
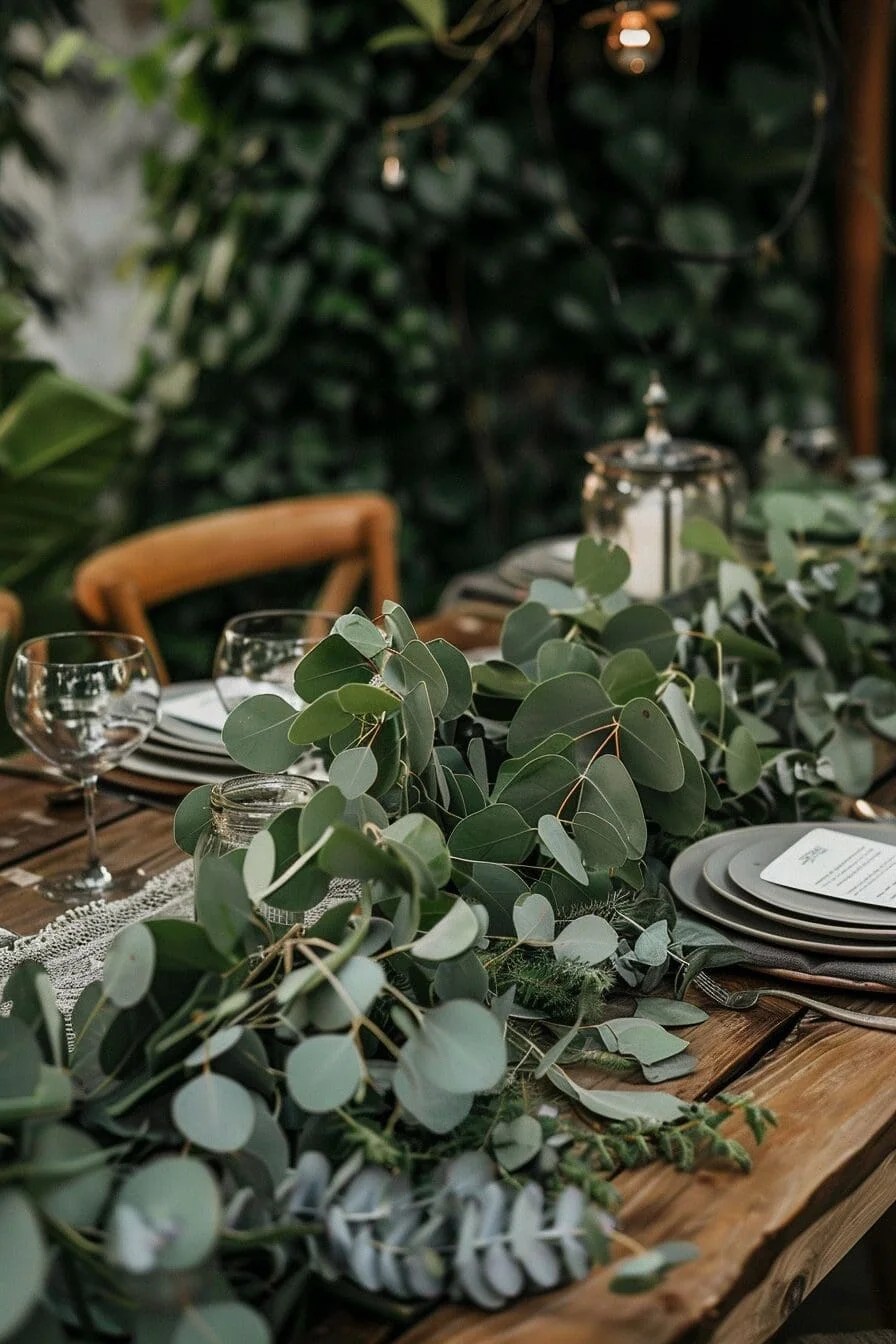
{"x": 456, "y": 343}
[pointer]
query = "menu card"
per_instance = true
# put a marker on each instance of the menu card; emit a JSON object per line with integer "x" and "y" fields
{"x": 836, "y": 864}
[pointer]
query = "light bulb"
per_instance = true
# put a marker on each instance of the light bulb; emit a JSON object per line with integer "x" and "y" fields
{"x": 634, "y": 42}
{"x": 394, "y": 174}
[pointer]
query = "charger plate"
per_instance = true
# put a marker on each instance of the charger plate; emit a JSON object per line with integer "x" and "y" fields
{"x": 746, "y": 865}
{"x": 715, "y": 871}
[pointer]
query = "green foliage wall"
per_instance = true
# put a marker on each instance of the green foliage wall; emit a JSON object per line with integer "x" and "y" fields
{"x": 455, "y": 344}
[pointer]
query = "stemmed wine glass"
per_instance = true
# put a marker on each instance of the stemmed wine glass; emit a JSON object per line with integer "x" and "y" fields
{"x": 260, "y": 651}
{"x": 83, "y": 701}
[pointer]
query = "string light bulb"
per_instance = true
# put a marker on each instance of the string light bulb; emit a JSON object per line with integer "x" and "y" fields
{"x": 634, "y": 41}
{"x": 394, "y": 174}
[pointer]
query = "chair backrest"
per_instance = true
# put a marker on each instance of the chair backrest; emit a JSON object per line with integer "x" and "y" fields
{"x": 116, "y": 586}
{"x": 10, "y": 618}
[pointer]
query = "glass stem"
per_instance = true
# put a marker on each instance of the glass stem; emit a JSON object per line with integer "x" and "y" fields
{"x": 93, "y": 853}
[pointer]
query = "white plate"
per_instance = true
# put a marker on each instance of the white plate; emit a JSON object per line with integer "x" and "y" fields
{"x": 745, "y": 867}
{"x": 715, "y": 871}
{"x": 695, "y": 894}
{"x": 549, "y": 559}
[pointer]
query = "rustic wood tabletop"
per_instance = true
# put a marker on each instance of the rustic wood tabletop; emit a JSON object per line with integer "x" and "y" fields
{"x": 821, "y": 1180}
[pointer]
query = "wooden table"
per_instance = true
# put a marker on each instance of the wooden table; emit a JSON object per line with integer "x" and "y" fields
{"x": 820, "y": 1182}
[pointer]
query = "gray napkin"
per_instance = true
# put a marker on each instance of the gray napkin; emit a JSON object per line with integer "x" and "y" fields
{"x": 766, "y": 956}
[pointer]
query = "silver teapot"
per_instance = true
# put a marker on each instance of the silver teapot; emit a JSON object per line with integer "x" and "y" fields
{"x": 639, "y": 493}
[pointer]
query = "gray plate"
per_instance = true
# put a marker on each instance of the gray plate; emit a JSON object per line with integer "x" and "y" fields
{"x": 550, "y": 559}
{"x": 695, "y": 894}
{"x": 715, "y": 871}
{"x": 746, "y": 865}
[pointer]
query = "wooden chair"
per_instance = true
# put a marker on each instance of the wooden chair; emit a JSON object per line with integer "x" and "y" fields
{"x": 10, "y": 617}
{"x": 116, "y": 586}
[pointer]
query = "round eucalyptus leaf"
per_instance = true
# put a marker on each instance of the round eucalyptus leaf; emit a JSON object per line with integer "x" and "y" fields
{"x": 425, "y": 839}
{"x": 600, "y": 567}
{"x": 743, "y": 763}
{"x": 221, "y": 1323}
{"x": 561, "y": 846}
{"x": 457, "y": 674}
{"x": 541, "y": 786}
{"x": 497, "y": 834}
{"x": 193, "y": 817}
{"x": 648, "y": 746}
{"x": 260, "y": 863}
{"x": 451, "y": 936}
{"x": 321, "y": 719}
{"x": 407, "y": 667}
{"x": 76, "y": 1199}
{"x": 459, "y": 1048}
{"x": 329, "y": 665}
{"x": 645, "y": 627}
{"x": 464, "y": 978}
{"x": 525, "y": 629}
{"x": 556, "y": 656}
{"x": 517, "y": 1142}
{"x": 223, "y": 908}
{"x": 437, "y": 1110}
{"x": 24, "y": 1260}
{"x": 214, "y": 1112}
{"x": 219, "y": 1043}
{"x": 359, "y": 982}
{"x": 256, "y": 734}
{"x": 419, "y": 726}
{"x": 533, "y": 918}
{"x": 600, "y": 842}
{"x": 129, "y": 966}
{"x": 361, "y": 634}
{"x": 574, "y": 703}
{"x": 590, "y": 939}
{"x": 321, "y": 810}
{"x": 324, "y": 1072}
{"x": 680, "y": 711}
{"x": 629, "y": 674}
{"x": 353, "y": 771}
{"x": 681, "y": 811}
{"x": 20, "y": 1059}
{"x": 171, "y": 1211}
{"x": 670, "y": 1012}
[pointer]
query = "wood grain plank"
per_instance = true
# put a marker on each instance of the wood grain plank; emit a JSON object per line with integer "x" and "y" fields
{"x": 28, "y": 825}
{"x": 833, "y": 1088}
{"x": 142, "y": 840}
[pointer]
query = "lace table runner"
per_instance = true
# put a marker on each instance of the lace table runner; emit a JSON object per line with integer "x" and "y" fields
{"x": 73, "y": 948}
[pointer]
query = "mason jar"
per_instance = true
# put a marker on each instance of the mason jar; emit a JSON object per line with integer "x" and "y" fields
{"x": 242, "y": 807}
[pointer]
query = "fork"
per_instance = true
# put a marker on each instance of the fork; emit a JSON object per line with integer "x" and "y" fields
{"x": 739, "y": 1000}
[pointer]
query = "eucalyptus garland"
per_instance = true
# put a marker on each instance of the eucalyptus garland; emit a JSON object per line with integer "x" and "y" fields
{"x": 397, "y": 1092}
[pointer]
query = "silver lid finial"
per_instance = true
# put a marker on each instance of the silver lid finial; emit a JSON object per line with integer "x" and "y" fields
{"x": 656, "y": 399}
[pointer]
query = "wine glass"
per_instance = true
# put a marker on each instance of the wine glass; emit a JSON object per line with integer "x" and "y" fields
{"x": 83, "y": 701}
{"x": 260, "y": 651}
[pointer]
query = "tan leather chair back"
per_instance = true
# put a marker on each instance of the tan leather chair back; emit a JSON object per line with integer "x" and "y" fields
{"x": 357, "y": 532}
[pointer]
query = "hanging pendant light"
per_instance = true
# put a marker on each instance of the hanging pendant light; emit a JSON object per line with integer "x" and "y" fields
{"x": 634, "y": 41}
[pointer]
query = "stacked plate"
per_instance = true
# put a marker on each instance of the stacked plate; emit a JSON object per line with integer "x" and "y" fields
{"x": 186, "y": 746}
{"x": 720, "y": 879}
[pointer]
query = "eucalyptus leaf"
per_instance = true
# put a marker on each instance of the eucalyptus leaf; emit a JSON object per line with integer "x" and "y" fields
{"x": 644, "y": 627}
{"x": 25, "y": 1260}
{"x": 562, "y": 847}
{"x": 743, "y": 763}
{"x": 174, "y": 1202}
{"x": 451, "y": 936}
{"x": 600, "y": 567}
{"x": 648, "y": 747}
{"x": 214, "y": 1112}
{"x": 256, "y": 734}
{"x": 458, "y": 677}
{"x": 590, "y": 939}
{"x": 353, "y": 771}
{"x": 324, "y": 1072}
{"x": 497, "y": 834}
{"x": 193, "y": 818}
{"x": 629, "y": 674}
{"x": 332, "y": 663}
{"x": 525, "y": 630}
{"x": 574, "y": 703}
{"x": 533, "y": 918}
{"x": 419, "y": 727}
{"x": 129, "y": 966}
